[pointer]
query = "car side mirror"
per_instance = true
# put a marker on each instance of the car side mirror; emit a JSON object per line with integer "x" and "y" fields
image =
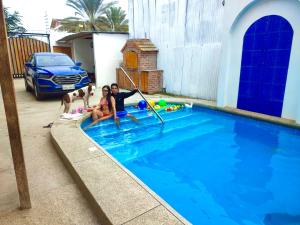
{"x": 28, "y": 64}
{"x": 78, "y": 63}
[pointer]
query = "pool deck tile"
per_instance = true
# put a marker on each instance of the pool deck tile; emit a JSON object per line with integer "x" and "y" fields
{"x": 119, "y": 196}
{"x": 263, "y": 117}
{"x": 66, "y": 135}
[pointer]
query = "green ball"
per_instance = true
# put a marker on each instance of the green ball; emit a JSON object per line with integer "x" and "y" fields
{"x": 162, "y": 103}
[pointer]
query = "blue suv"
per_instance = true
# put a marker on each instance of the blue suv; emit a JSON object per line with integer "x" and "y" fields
{"x": 53, "y": 73}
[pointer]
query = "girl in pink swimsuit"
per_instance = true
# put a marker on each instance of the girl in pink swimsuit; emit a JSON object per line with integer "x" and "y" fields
{"x": 106, "y": 108}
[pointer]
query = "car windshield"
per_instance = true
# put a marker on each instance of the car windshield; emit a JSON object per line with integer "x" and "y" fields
{"x": 53, "y": 60}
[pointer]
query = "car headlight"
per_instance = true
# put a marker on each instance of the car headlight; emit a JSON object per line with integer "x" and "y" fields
{"x": 84, "y": 74}
{"x": 44, "y": 76}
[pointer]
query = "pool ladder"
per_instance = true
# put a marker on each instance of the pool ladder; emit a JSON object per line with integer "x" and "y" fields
{"x": 156, "y": 113}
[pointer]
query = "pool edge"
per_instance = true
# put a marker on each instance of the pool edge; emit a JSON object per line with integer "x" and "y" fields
{"x": 248, "y": 114}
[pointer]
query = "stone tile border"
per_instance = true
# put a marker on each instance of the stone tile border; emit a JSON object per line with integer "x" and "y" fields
{"x": 240, "y": 112}
{"x": 117, "y": 195}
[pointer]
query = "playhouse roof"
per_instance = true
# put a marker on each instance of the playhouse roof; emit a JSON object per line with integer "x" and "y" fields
{"x": 86, "y": 35}
{"x": 144, "y": 45}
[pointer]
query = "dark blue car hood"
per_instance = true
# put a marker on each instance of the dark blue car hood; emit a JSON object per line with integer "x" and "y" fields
{"x": 60, "y": 70}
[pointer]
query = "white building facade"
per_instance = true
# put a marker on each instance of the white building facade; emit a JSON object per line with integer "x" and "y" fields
{"x": 99, "y": 52}
{"x": 108, "y": 56}
{"x": 188, "y": 34}
{"x": 260, "y": 68}
{"x": 244, "y": 54}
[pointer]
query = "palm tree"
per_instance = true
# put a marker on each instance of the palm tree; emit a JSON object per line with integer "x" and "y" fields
{"x": 86, "y": 16}
{"x": 13, "y": 21}
{"x": 72, "y": 26}
{"x": 114, "y": 19}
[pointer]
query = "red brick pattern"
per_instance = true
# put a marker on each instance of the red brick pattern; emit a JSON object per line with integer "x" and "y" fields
{"x": 154, "y": 81}
{"x": 147, "y": 76}
{"x": 147, "y": 61}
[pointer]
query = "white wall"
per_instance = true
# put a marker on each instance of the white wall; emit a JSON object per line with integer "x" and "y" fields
{"x": 239, "y": 17}
{"x": 188, "y": 35}
{"x": 108, "y": 56}
{"x": 83, "y": 52}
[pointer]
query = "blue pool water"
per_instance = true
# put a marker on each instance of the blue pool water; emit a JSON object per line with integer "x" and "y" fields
{"x": 214, "y": 168}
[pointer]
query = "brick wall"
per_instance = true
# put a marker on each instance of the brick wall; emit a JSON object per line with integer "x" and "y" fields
{"x": 154, "y": 81}
{"x": 147, "y": 61}
{"x": 145, "y": 72}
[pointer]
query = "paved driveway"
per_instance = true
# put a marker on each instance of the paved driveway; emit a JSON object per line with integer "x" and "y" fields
{"x": 55, "y": 197}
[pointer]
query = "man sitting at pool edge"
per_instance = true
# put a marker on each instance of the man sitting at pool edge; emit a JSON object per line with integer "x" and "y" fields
{"x": 119, "y": 97}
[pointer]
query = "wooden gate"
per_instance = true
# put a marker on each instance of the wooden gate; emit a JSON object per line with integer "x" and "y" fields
{"x": 65, "y": 50}
{"x": 21, "y": 46}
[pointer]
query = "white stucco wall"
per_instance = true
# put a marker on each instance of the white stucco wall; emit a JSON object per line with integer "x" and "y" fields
{"x": 108, "y": 56}
{"x": 83, "y": 52}
{"x": 239, "y": 17}
{"x": 188, "y": 36}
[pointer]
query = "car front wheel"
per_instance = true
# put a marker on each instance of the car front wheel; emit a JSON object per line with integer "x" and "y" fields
{"x": 37, "y": 94}
{"x": 26, "y": 85}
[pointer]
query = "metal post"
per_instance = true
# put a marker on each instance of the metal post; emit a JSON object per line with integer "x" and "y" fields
{"x": 161, "y": 119}
{"x": 9, "y": 99}
{"x": 48, "y": 38}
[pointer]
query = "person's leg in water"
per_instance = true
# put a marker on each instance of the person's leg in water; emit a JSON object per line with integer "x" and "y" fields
{"x": 96, "y": 114}
{"x": 117, "y": 122}
{"x": 122, "y": 114}
{"x": 100, "y": 118}
{"x": 133, "y": 118}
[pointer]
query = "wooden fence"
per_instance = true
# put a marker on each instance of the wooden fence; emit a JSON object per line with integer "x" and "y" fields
{"x": 21, "y": 47}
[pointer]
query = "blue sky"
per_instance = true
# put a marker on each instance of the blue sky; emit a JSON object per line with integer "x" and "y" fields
{"x": 33, "y": 11}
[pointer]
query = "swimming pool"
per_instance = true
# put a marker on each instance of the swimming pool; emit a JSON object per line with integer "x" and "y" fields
{"x": 212, "y": 167}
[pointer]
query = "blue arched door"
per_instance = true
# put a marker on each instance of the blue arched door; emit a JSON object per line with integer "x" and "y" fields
{"x": 265, "y": 62}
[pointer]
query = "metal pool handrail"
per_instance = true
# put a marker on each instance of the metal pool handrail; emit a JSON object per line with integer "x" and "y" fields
{"x": 157, "y": 114}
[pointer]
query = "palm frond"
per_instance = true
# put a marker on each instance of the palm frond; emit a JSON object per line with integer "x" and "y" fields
{"x": 115, "y": 19}
{"x": 101, "y": 10}
{"x": 93, "y": 12}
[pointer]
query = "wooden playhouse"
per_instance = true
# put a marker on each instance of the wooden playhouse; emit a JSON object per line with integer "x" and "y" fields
{"x": 140, "y": 62}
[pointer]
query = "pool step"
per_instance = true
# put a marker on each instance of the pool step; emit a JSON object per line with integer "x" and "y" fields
{"x": 145, "y": 114}
{"x": 132, "y": 151}
{"x": 144, "y": 122}
{"x": 122, "y": 122}
{"x": 140, "y": 127}
{"x": 110, "y": 121}
{"x": 136, "y": 137}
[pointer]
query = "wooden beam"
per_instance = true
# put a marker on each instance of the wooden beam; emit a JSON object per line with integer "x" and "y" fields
{"x": 9, "y": 99}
